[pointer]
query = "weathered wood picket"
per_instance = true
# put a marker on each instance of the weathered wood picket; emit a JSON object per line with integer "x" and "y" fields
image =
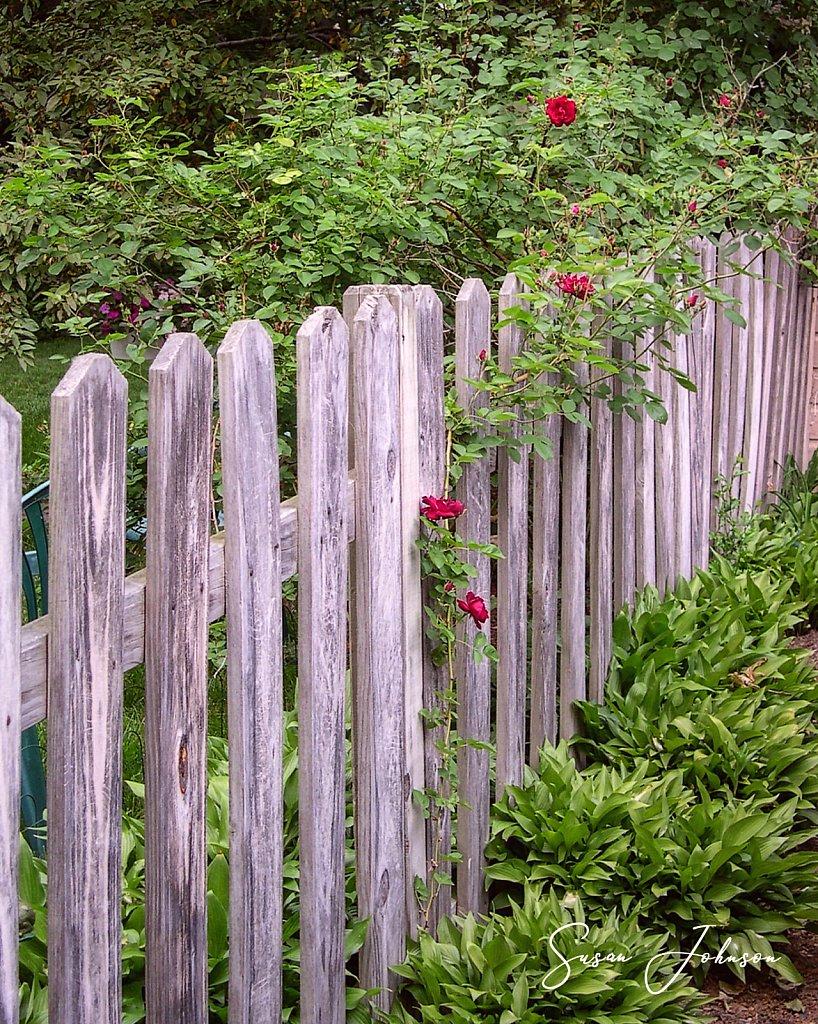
{"x": 617, "y": 507}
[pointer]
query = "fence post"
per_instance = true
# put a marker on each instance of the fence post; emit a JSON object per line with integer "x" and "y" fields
{"x": 404, "y": 300}
{"x": 700, "y": 369}
{"x": 645, "y": 469}
{"x": 573, "y": 563}
{"x": 378, "y": 725}
{"x": 431, "y": 475}
{"x": 545, "y": 553}
{"x": 754, "y": 314}
{"x": 473, "y": 336}
{"x": 601, "y": 511}
{"x": 252, "y": 567}
{"x": 739, "y": 286}
{"x": 10, "y": 703}
{"x": 87, "y": 572}
{"x": 512, "y": 571}
{"x": 176, "y": 598}
{"x": 322, "y": 350}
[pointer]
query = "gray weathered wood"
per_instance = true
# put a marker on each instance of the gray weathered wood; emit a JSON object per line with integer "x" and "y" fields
{"x": 403, "y": 301}
{"x": 772, "y": 376}
{"x": 86, "y": 574}
{"x": 573, "y": 565}
{"x": 432, "y": 476}
{"x": 176, "y": 614}
{"x": 739, "y": 286}
{"x": 683, "y": 486}
{"x": 601, "y": 512}
{"x": 700, "y": 371}
{"x": 623, "y": 505}
{"x": 323, "y": 384}
{"x": 10, "y": 690}
{"x": 34, "y": 638}
{"x": 721, "y": 465}
{"x": 546, "y": 503}
{"x": 644, "y": 469}
{"x": 252, "y": 567}
{"x": 800, "y": 400}
{"x": 810, "y": 340}
{"x": 788, "y": 278}
{"x": 512, "y": 571}
{"x": 665, "y": 486}
{"x": 754, "y": 314}
{"x": 378, "y": 732}
{"x": 472, "y": 335}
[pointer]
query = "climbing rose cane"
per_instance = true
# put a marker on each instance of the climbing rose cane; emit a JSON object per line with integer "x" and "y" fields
{"x": 442, "y": 508}
{"x": 561, "y": 110}
{"x": 474, "y": 606}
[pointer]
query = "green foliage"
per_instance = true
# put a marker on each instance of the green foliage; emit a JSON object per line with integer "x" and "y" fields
{"x": 646, "y": 845}
{"x": 525, "y": 967}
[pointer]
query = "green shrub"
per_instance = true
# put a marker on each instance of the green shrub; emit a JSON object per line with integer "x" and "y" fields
{"x": 676, "y": 858}
{"x": 496, "y": 972}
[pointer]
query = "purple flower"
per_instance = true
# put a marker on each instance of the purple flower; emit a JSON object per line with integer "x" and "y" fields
{"x": 105, "y": 308}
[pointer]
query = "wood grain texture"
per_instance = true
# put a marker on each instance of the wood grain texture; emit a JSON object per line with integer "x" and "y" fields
{"x": 700, "y": 371}
{"x": 722, "y": 368}
{"x": 772, "y": 375}
{"x": 176, "y": 614}
{"x": 739, "y": 286}
{"x": 624, "y": 498}
{"x": 546, "y": 509}
{"x": 601, "y": 512}
{"x": 86, "y": 574}
{"x": 665, "y": 486}
{"x": 644, "y": 470}
{"x": 252, "y": 568}
{"x": 432, "y": 475}
{"x": 512, "y": 571}
{"x": 322, "y": 349}
{"x": 34, "y": 637}
{"x": 800, "y": 399}
{"x": 378, "y": 726}
{"x": 10, "y": 703}
{"x": 683, "y": 482}
{"x": 754, "y": 314}
{"x": 472, "y": 335}
{"x": 573, "y": 566}
{"x": 785, "y": 369}
{"x": 809, "y": 400}
{"x": 403, "y": 300}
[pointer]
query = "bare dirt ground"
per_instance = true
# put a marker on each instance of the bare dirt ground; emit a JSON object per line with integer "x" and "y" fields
{"x": 762, "y": 1000}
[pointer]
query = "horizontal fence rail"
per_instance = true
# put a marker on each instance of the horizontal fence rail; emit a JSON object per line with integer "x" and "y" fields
{"x": 618, "y": 506}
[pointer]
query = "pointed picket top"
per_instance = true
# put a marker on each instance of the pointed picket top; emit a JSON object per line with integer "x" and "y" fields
{"x": 89, "y": 416}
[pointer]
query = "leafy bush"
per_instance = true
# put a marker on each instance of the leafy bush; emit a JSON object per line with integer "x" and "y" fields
{"x": 676, "y": 858}
{"x": 496, "y": 972}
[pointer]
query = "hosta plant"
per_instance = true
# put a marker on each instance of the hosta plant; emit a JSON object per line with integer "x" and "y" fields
{"x": 637, "y": 843}
{"x": 543, "y": 962}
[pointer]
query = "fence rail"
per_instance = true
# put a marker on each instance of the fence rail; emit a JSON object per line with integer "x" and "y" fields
{"x": 617, "y": 507}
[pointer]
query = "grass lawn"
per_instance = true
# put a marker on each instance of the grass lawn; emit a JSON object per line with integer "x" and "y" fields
{"x": 29, "y": 391}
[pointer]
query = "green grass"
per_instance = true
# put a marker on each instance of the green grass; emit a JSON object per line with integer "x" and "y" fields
{"x": 29, "y": 391}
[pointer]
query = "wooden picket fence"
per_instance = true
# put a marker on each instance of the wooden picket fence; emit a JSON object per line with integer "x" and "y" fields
{"x": 625, "y": 505}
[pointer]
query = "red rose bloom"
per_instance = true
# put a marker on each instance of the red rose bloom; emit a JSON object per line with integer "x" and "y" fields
{"x": 575, "y": 284}
{"x": 721, "y": 163}
{"x": 561, "y": 110}
{"x": 474, "y": 606}
{"x": 442, "y": 508}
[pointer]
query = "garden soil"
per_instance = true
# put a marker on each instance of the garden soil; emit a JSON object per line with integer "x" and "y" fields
{"x": 761, "y": 1000}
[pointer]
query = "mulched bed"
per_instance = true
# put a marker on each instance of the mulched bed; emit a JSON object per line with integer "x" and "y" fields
{"x": 762, "y": 1000}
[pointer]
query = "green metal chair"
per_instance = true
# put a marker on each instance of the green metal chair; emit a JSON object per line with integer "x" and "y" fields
{"x": 35, "y": 567}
